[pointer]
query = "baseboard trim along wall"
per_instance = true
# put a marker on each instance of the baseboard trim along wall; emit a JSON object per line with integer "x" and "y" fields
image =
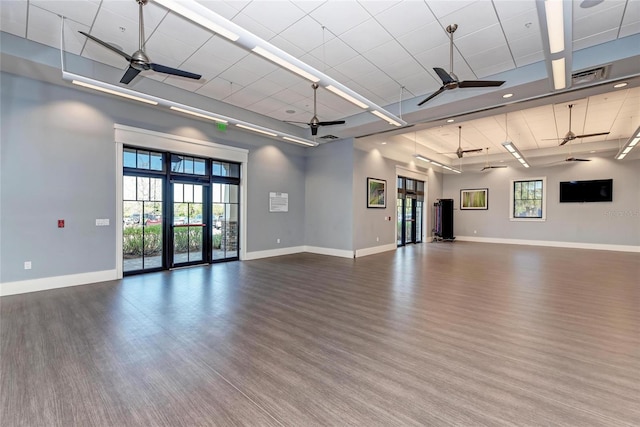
{"x": 343, "y": 253}
{"x": 273, "y": 252}
{"x": 46, "y": 283}
{"x": 573, "y": 245}
{"x": 376, "y": 250}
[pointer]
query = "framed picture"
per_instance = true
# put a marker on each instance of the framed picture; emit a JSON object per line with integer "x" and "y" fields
{"x": 474, "y": 199}
{"x": 376, "y": 193}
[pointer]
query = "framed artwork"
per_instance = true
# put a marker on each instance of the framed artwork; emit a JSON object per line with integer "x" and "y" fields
{"x": 474, "y": 199}
{"x": 376, "y": 193}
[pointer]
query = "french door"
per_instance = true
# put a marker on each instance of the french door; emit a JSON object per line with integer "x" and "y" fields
{"x": 178, "y": 211}
{"x": 410, "y": 211}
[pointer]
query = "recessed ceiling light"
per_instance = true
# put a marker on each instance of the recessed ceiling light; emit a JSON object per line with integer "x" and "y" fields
{"x": 383, "y": 143}
{"x": 592, "y": 151}
{"x": 290, "y": 111}
{"x": 586, "y": 4}
{"x": 507, "y": 95}
{"x": 619, "y": 85}
{"x": 450, "y": 121}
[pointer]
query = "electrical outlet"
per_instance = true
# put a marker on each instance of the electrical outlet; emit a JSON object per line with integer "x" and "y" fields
{"x": 27, "y": 265}
{"x": 277, "y": 240}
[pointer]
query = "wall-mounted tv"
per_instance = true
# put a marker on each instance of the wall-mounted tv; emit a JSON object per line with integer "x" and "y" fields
{"x": 597, "y": 190}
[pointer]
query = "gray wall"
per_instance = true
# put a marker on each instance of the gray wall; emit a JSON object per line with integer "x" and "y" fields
{"x": 329, "y": 196}
{"x": 617, "y": 222}
{"x": 57, "y": 158}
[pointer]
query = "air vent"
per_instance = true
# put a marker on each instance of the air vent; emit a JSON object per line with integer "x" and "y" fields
{"x": 589, "y": 76}
{"x": 329, "y": 137}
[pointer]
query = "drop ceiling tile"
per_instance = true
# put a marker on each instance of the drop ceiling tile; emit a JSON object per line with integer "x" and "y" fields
{"x": 217, "y": 88}
{"x": 355, "y": 67}
{"x": 595, "y": 39}
{"x": 206, "y": 65}
{"x": 442, "y": 8}
{"x": 257, "y": 65}
{"x": 308, "y": 6}
{"x": 307, "y": 34}
{"x": 391, "y": 51}
{"x": 286, "y": 46}
{"x": 405, "y": 17}
{"x": 253, "y": 26}
{"x": 81, "y": 11}
{"x": 493, "y": 68}
{"x": 631, "y": 14}
{"x": 190, "y": 85}
{"x": 606, "y": 20}
{"x": 244, "y": 98}
{"x": 240, "y": 76}
{"x": 522, "y": 26}
{"x": 289, "y": 97}
{"x": 420, "y": 84}
{"x": 268, "y": 106}
{"x": 366, "y": 36}
{"x": 221, "y": 48}
{"x": 524, "y": 46}
{"x": 399, "y": 70}
{"x": 376, "y": 7}
{"x": 439, "y": 57}
{"x": 124, "y": 13}
{"x": 223, "y": 8}
{"x": 183, "y": 30}
{"x": 98, "y": 53}
{"x": 340, "y": 16}
{"x": 107, "y": 27}
{"x": 13, "y": 17}
{"x": 423, "y": 39}
{"x": 471, "y": 18}
{"x": 332, "y": 53}
{"x": 521, "y": 61}
{"x": 279, "y": 14}
{"x": 265, "y": 88}
{"x": 44, "y": 27}
{"x": 283, "y": 77}
{"x": 508, "y": 8}
{"x": 161, "y": 44}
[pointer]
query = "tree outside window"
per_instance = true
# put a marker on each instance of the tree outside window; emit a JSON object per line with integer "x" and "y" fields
{"x": 528, "y": 199}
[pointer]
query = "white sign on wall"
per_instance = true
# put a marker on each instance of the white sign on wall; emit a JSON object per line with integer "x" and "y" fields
{"x": 278, "y": 202}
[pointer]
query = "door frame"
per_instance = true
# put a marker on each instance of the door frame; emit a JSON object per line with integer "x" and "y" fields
{"x": 144, "y": 138}
{"x": 420, "y": 176}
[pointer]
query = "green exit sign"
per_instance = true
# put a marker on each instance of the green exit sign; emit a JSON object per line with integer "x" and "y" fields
{"x": 222, "y": 127}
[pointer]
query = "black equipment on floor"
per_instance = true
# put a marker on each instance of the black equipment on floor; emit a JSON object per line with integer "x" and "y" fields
{"x": 443, "y": 229}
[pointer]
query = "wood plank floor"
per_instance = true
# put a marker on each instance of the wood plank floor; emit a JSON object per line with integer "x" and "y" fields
{"x": 462, "y": 334}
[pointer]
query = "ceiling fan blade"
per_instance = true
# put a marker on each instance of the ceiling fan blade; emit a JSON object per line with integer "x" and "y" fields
{"x": 433, "y": 95}
{"x": 444, "y": 76}
{"x": 299, "y": 123}
{"x": 129, "y": 75}
{"x": 574, "y": 159}
{"x": 480, "y": 83}
{"x": 174, "y": 71}
{"x": 564, "y": 141}
{"x": 551, "y": 139}
{"x": 107, "y": 45}
{"x": 592, "y": 134}
{"x": 475, "y": 150}
{"x": 334, "y": 122}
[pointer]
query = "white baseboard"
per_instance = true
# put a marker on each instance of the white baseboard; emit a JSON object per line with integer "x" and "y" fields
{"x": 376, "y": 250}
{"x": 273, "y": 252}
{"x": 552, "y": 243}
{"x": 329, "y": 251}
{"x": 46, "y": 283}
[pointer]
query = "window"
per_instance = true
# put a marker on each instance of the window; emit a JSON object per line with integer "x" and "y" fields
{"x": 528, "y": 200}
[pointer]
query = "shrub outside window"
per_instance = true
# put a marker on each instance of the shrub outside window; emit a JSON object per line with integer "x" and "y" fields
{"x": 528, "y": 200}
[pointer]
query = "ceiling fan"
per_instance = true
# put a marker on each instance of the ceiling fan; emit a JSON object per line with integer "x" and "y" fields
{"x": 570, "y": 136}
{"x": 450, "y": 80}
{"x": 489, "y": 166}
{"x": 460, "y": 152}
{"x": 139, "y": 61}
{"x": 315, "y": 123}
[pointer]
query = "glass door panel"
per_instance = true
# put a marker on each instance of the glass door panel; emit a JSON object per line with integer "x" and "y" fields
{"x": 142, "y": 233}
{"x": 188, "y": 236}
{"x": 400, "y": 222}
{"x": 418, "y": 220}
{"x": 224, "y": 207}
{"x": 409, "y": 217}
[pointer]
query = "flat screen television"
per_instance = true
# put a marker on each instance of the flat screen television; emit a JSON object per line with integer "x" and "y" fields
{"x": 597, "y": 190}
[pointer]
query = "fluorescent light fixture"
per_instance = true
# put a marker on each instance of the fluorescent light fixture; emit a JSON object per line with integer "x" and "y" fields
{"x": 196, "y": 113}
{"x": 284, "y": 63}
{"x": 559, "y": 77}
{"x": 633, "y": 140}
{"x": 450, "y": 121}
{"x": 507, "y": 95}
{"x": 513, "y": 150}
{"x": 433, "y": 162}
{"x": 555, "y": 25}
{"x": 385, "y": 118}
{"x": 619, "y": 85}
{"x": 203, "y": 16}
{"x": 348, "y": 97}
{"x": 298, "y": 141}
{"x": 253, "y": 129}
{"x": 105, "y": 88}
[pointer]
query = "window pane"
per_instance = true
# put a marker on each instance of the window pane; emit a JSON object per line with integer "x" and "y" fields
{"x": 216, "y": 169}
{"x": 410, "y": 184}
{"x": 197, "y": 194}
{"x": 156, "y": 161}
{"x": 215, "y": 193}
{"x": 143, "y": 159}
{"x": 143, "y": 188}
{"x": 199, "y": 167}
{"x": 188, "y": 192}
{"x": 188, "y": 165}
{"x": 234, "y": 170}
{"x": 176, "y": 163}
{"x": 178, "y": 193}
{"x": 129, "y": 158}
{"x": 233, "y": 193}
{"x": 156, "y": 189}
{"x": 129, "y": 188}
